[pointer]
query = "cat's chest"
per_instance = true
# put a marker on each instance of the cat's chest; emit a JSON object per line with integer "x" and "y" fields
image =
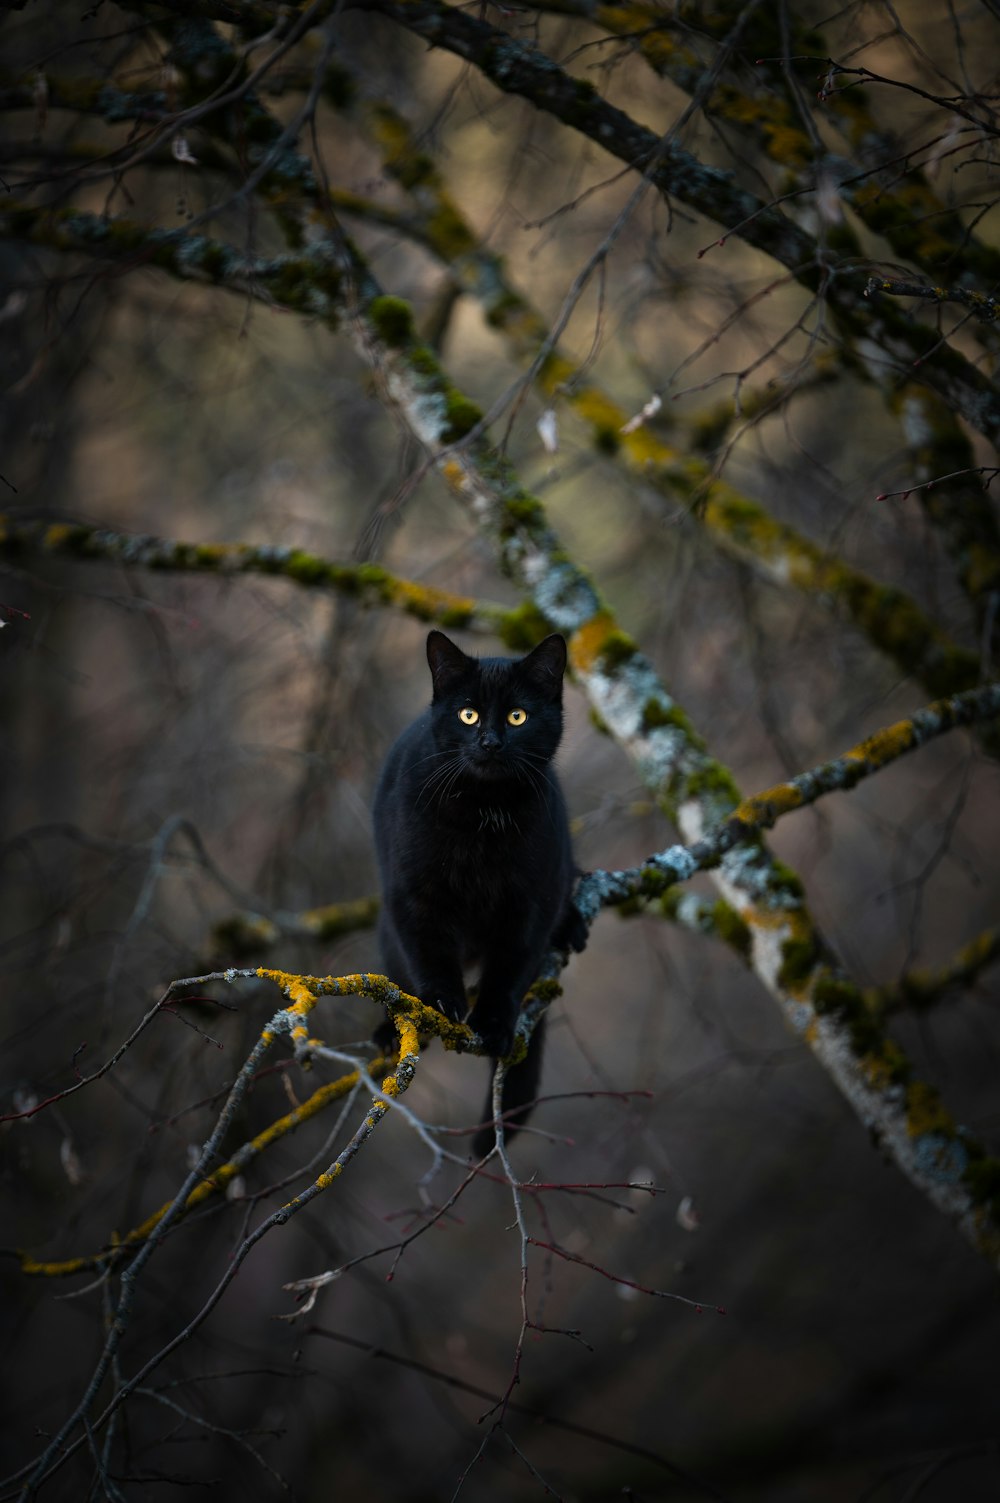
{"x": 483, "y": 855}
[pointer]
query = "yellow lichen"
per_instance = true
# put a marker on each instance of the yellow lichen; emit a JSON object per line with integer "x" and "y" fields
{"x": 428, "y": 603}
{"x": 587, "y": 641}
{"x": 763, "y": 809}
{"x": 454, "y": 472}
{"x": 57, "y": 534}
{"x": 925, "y": 1112}
{"x": 884, "y": 746}
{"x": 885, "y": 1067}
{"x": 301, "y": 996}
{"x": 647, "y": 32}
{"x": 214, "y": 1182}
{"x": 555, "y": 372}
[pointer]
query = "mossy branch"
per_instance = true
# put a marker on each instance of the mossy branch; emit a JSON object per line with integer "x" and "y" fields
{"x": 369, "y": 584}
{"x": 307, "y": 284}
{"x": 983, "y": 307}
{"x": 917, "y": 991}
{"x": 246, "y": 934}
{"x": 894, "y": 199}
{"x": 302, "y": 993}
{"x": 516, "y": 68}
{"x": 655, "y": 877}
{"x": 887, "y": 616}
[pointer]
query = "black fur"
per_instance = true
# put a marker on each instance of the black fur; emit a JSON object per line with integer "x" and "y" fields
{"x": 474, "y": 848}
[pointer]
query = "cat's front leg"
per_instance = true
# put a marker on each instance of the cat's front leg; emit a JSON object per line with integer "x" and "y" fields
{"x": 422, "y": 957}
{"x": 505, "y": 979}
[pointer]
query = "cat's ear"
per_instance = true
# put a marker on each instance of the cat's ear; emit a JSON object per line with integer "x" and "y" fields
{"x": 546, "y": 664}
{"x": 447, "y": 662}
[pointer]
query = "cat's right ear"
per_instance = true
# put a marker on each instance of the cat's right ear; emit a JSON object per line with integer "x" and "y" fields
{"x": 447, "y": 662}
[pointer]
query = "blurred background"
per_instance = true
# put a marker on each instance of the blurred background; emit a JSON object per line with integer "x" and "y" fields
{"x": 181, "y": 750}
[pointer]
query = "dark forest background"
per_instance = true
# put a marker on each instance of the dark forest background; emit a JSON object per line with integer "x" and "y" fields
{"x": 702, "y": 298}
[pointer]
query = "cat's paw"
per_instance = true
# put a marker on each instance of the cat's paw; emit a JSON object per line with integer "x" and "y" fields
{"x": 497, "y": 1035}
{"x": 571, "y": 931}
{"x": 454, "y": 1008}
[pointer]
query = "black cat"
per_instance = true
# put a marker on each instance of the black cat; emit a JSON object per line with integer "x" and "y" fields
{"x": 474, "y": 847}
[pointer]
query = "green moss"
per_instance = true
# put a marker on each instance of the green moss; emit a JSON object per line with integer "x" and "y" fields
{"x": 730, "y": 928}
{"x": 524, "y": 508}
{"x": 449, "y": 233}
{"x": 68, "y": 537}
{"x": 926, "y": 1113}
{"x": 616, "y": 648}
{"x": 982, "y": 1179}
{"x": 523, "y": 627}
{"x": 424, "y": 362}
{"x": 462, "y": 416}
{"x": 502, "y": 308}
{"x": 392, "y": 320}
{"x": 291, "y": 285}
{"x": 767, "y": 118}
{"x": 783, "y": 878}
{"x": 305, "y": 567}
{"x": 371, "y": 576}
{"x": 454, "y": 617}
{"x": 798, "y": 961}
{"x": 546, "y": 990}
{"x": 237, "y": 937}
{"x": 209, "y": 555}
{"x": 655, "y": 715}
{"x": 670, "y": 899}
{"x": 713, "y": 781}
{"x": 833, "y": 995}
{"x": 655, "y": 882}
{"x": 912, "y": 218}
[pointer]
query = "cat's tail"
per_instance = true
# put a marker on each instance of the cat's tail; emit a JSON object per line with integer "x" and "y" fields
{"x": 520, "y": 1092}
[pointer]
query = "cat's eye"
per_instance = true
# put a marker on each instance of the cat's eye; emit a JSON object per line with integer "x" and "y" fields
{"x": 468, "y": 716}
{"x": 517, "y": 717}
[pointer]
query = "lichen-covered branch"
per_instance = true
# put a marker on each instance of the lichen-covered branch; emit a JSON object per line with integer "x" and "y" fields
{"x": 308, "y": 283}
{"x": 761, "y": 811}
{"x": 304, "y": 284}
{"x": 519, "y": 69}
{"x": 245, "y": 934}
{"x": 889, "y": 618}
{"x": 919, "y": 990}
{"x": 369, "y": 584}
{"x": 980, "y": 304}
{"x": 303, "y": 992}
{"x": 889, "y": 195}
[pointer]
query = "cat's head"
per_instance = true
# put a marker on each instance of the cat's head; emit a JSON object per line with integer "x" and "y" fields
{"x": 501, "y": 717}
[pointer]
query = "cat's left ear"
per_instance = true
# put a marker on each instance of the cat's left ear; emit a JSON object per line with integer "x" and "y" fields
{"x": 447, "y": 662}
{"x": 546, "y": 664}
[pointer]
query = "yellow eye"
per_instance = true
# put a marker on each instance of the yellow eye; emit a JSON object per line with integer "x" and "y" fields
{"x": 517, "y": 717}
{"x": 468, "y": 716}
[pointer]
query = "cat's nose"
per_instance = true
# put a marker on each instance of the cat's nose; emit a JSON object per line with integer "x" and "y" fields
{"x": 489, "y": 741}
